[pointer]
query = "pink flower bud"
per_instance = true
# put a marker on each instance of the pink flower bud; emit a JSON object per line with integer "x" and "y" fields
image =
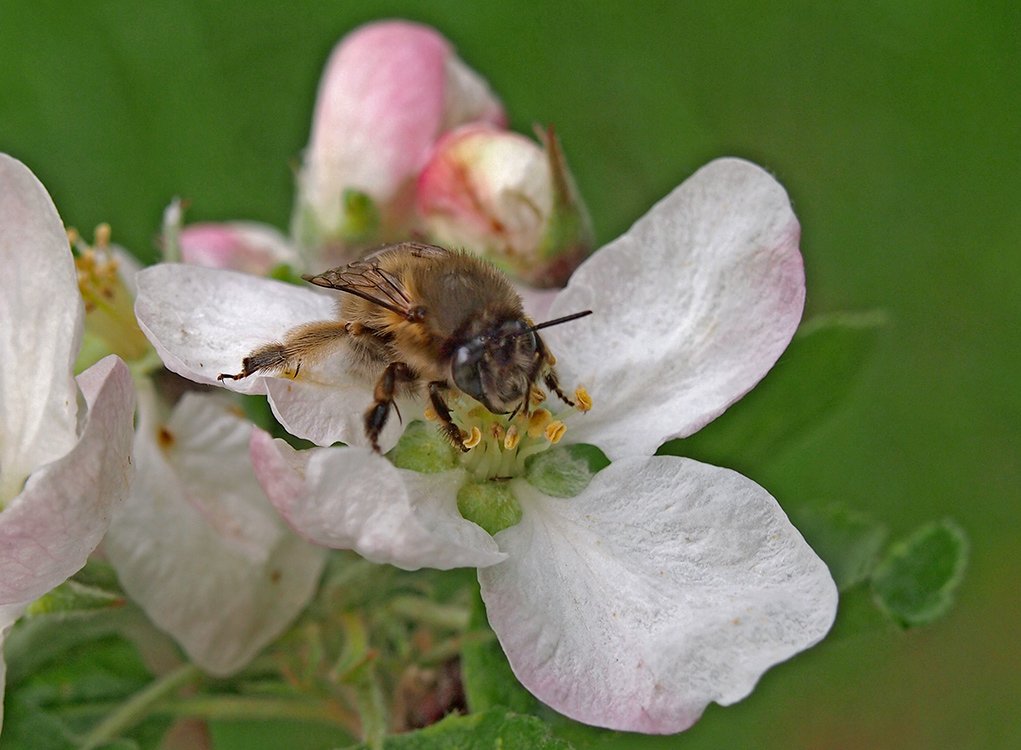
{"x": 390, "y": 90}
{"x": 508, "y": 199}
{"x": 240, "y": 246}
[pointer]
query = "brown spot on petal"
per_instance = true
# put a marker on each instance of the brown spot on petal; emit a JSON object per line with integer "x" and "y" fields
{"x": 165, "y": 438}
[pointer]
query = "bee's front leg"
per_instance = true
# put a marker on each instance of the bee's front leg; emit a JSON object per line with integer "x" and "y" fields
{"x": 452, "y": 431}
{"x": 396, "y": 374}
{"x": 547, "y": 360}
{"x": 308, "y": 341}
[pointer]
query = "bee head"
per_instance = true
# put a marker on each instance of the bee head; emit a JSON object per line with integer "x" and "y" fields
{"x": 498, "y": 361}
{"x": 496, "y": 366}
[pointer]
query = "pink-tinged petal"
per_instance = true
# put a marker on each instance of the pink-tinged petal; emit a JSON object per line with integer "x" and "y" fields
{"x": 240, "y": 246}
{"x": 692, "y": 306}
{"x": 389, "y": 90}
{"x": 40, "y": 329}
{"x": 352, "y": 498}
{"x": 199, "y": 546}
{"x": 331, "y": 409}
{"x": 48, "y": 531}
{"x": 204, "y": 321}
{"x": 666, "y": 585}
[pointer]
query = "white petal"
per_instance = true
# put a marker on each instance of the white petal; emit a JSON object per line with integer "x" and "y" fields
{"x": 352, "y": 498}
{"x": 204, "y": 321}
{"x": 665, "y": 585}
{"x": 40, "y": 329}
{"x": 199, "y": 546}
{"x": 49, "y": 530}
{"x": 333, "y": 411}
{"x": 692, "y": 306}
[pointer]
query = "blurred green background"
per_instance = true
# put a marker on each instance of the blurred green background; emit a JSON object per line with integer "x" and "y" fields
{"x": 894, "y": 126}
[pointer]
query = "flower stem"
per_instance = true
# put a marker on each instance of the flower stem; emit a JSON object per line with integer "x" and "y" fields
{"x": 421, "y": 610}
{"x": 139, "y": 706}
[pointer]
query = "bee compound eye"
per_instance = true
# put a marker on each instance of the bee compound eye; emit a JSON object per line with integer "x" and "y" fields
{"x": 465, "y": 370}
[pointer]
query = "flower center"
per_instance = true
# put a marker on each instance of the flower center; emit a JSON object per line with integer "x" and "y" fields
{"x": 500, "y": 444}
{"x": 109, "y": 306}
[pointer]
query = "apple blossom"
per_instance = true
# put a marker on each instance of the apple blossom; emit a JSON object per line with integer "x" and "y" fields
{"x": 197, "y": 543}
{"x": 65, "y": 443}
{"x": 389, "y": 91}
{"x": 508, "y": 199}
{"x": 630, "y": 598}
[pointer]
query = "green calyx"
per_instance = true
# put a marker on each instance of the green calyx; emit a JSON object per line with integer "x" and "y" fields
{"x": 490, "y": 504}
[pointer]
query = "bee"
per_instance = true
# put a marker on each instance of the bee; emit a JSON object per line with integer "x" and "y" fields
{"x": 420, "y": 319}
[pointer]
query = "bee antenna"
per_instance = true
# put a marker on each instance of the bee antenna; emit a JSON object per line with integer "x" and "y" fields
{"x": 558, "y": 321}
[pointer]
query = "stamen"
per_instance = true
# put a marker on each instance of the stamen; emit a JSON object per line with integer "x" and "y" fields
{"x": 582, "y": 401}
{"x": 510, "y": 442}
{"x": 102, "y": 235}
{"x": 537, "y": 422}
{"x": 555, "y": 431}
{"x": 430, "y": 413}
{"x": 473, "y": 438}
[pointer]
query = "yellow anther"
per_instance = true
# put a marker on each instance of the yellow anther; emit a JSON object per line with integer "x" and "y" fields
{"x": 536, "y": 396}
{"x": 473, "y": 439}
{"x": 72, "y": 235}
{"x": 554, "y": 431}
{"x": 582, "y": 401}
{"x": 537, "y": 422}
{"x": 513, "y": 437}
{"x": 429, "y": 413}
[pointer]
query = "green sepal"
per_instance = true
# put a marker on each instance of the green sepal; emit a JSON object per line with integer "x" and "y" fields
{"x": 564, "y": 471}
{"x": 423, "y": 448}
{"x": 490, "y": 504}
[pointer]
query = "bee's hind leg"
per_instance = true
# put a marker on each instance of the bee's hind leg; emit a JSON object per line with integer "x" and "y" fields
{"x": 395, "y": 375}
{"x": 306, "y": 341}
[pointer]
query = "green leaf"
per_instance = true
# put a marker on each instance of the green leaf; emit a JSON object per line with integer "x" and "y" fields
{"x": 487, "y": 676}
{"x": 916, "y": 581}
{"x": 849, "y": 542}
{"x": 54, "y": 707}
{"x": 809, "y": 380}
{"x": 497, "y": 729}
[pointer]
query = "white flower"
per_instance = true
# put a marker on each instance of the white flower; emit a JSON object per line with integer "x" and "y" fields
{"x": 64, "y": 465}
{"x": 197, "y": 543}
{"x": 662, "y": 585}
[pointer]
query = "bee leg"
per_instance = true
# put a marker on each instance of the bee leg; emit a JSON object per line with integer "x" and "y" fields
{"x": 309, "y": 340}
{"x": 553, "y": 384}
{"x": 550, "y": 379}
{"x": 451, "y": 430}
{"x": 393, "y": 376}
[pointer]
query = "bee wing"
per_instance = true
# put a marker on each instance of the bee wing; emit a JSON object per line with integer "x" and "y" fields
{"x": 366, "y": 278}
